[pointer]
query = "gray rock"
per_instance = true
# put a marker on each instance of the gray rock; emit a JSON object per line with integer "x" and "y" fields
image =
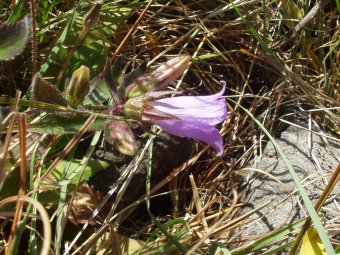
{"x": 314, "y": 163}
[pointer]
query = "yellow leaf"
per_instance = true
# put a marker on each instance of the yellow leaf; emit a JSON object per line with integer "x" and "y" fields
{"x": 311, "y": 243}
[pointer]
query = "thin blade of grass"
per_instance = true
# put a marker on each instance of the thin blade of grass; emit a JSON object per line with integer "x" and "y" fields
{"x": 82, "y": 166}
{"x": 60, "y": 221}
{"x": 278, "y": 249}
{"x": 269, "y": 239}
{"x": 33, "y": 244}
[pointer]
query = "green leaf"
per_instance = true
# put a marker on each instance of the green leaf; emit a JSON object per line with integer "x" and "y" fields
{"x": 14, "y": 38}
{"x": 11, "y": 185}
{"x": 94, "y": 47}
{"x": 91, "y": 50}
{"x": 54, "y": 124}
{"x": 45, "y": 92}
{"x": 337, "y": 249}
{"x": 58, "y": 49}
{"x": 220, "y": 245}
{"x": 99, "y": 94}
{"x": 74, "y": 174}
{"x": 48, "y": 196}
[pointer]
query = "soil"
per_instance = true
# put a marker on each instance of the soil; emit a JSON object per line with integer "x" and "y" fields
{"x": 169, "y": 152}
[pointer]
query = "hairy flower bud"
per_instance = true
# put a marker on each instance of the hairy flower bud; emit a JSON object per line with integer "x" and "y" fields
{"x": 79, "y": 86}
{"x": 121, "y": 137}
{"x": 158, "y": 79}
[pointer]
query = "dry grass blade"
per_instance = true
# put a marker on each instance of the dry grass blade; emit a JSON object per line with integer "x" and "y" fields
{"x": 8, "y": 138}
{"x": 198, "y": 203}
{"x": 280, "y": 61}
{"x": 22, "y": 120}
{"x": 217, "y": 228}
{"x": 44, "y": 217}
{"x": 133, "y": 28}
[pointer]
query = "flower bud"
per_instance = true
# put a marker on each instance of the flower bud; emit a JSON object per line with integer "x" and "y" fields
{"x": 92, "y": 16}
{"x": 170, "y": 71}
{"x": 121, "y": 137}
{"x": 79, "y": 86}
{"x": 158, "y": 79}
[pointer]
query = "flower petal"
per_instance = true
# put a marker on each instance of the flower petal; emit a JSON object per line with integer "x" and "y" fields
{"x": 192, "y": 101}
{"x": 210, "y": 113}
{"x": 194, "y": 129}
{"x": 208, "y": 109}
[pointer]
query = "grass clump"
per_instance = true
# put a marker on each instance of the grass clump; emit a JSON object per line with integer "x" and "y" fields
{"x": 170, "y": 196}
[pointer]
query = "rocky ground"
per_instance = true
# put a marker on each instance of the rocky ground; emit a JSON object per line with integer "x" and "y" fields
{"x": 314, "y": 158}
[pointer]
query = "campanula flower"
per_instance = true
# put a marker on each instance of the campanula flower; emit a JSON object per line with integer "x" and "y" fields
{"x": 185, "y": 116}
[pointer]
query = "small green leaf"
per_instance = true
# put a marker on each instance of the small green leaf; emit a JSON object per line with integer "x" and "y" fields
{"x": 91, "y": 18}
{"x": 92, "y": 167}
{"x": 216, "y": 245}
{"x": 11, "y": 185}
{"x": 55, "y": 124}
{"x": 99, "y": 92}
{"x": 14, "y": 38}
{"x": 45, "y": 92}
{"x": 48, "y": 196}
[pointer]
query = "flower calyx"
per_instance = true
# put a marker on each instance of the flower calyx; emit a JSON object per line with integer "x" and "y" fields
{"x": 140, "y": 108}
